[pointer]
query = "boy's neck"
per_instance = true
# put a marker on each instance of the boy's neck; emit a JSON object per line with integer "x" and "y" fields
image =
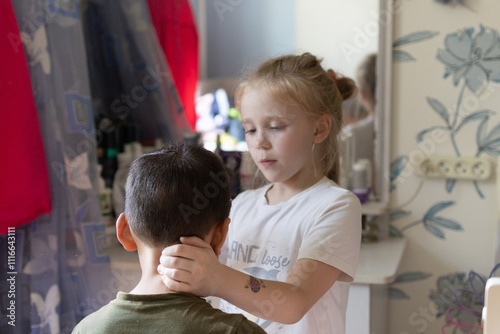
{"x": 150, "y": 283}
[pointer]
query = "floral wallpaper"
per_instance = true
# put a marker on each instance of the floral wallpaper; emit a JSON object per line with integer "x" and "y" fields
{"x": 423, "y": 299}
{"x": 473, "y": 60}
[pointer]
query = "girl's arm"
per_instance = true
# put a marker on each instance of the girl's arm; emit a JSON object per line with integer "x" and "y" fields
{"x": 193, "y": 267}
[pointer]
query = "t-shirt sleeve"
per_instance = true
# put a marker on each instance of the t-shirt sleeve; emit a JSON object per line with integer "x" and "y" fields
{"x": 334, "y": 237}
{"x": 76, "y": 330}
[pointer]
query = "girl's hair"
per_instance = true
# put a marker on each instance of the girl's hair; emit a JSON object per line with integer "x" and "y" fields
{"x": 366, "y": 75}
{"x": 302, "y": 80}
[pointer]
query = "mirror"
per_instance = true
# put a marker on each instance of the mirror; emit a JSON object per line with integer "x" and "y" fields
{"x": 236, "y": 36}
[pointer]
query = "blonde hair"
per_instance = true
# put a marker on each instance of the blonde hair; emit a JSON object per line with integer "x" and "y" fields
{"x": 302, "y": 79}
{"x": 367, "y": 77}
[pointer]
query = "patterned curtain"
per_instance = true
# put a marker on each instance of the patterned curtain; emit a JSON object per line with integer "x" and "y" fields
{"x": 62, "y": 271}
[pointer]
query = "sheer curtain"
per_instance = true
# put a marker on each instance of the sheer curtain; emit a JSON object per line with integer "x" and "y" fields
{"x": 63, "y": 271}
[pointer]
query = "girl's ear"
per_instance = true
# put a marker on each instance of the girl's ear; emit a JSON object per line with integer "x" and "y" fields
{"x": 219, "y": 236}
{"x": 323, "y": 125}
{"x": 124, "y": 234}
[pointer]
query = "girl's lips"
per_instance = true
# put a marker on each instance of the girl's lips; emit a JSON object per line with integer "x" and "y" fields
{"x": 266, "y": 163}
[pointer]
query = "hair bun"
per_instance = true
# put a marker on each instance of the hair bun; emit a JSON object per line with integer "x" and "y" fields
{"x": 347, "y": 87}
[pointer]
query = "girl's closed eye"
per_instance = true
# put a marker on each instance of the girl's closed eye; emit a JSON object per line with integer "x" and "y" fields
{"x": 277, "y": 127}
{"x": 248, "y": 131}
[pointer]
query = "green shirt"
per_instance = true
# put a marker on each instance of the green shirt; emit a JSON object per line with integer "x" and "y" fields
{"x": 163, "y": 313}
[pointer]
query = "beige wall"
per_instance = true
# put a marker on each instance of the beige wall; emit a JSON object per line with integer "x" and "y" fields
{"x": 341, "y": 32}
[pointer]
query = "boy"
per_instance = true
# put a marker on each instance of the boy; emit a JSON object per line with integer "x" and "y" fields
{"x": 173, "y": 192}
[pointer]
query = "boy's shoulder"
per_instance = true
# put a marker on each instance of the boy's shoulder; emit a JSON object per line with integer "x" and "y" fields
{"x": 144, "y": 313}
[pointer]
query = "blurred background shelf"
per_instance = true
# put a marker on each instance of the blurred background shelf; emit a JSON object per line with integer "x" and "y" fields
{"x": 374, "y": 208}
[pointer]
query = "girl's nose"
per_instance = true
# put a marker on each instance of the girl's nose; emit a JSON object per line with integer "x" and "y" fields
{"x": 262, "y": 142}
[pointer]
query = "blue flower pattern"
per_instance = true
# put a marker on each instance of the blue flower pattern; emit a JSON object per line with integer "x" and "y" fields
{"x": 407, "y": 277}
{"x": 452, "y": 295}
{"x": 473, "y": 61}
{"x": 401, "y": 55}
{"x": 474, "y": 58}
{"x": 431, "y": 221}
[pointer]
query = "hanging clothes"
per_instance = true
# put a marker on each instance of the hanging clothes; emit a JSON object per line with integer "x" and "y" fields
{"x": 178, "y": 37}
{"x": 130, "y": 80}
{"x": 129, "y": 76}
{"x": 24, "y": 180}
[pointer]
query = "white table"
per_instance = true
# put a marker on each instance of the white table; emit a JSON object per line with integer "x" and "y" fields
{"x": 367, "y": 309}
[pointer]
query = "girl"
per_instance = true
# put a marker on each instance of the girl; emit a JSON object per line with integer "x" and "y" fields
{"x": 293, "y": 244}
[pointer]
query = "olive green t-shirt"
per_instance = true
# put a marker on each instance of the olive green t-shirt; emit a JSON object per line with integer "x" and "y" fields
{"x": 163, "y": 313}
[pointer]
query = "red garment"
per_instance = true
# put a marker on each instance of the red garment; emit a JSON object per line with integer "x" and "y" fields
{"x": 176, "y": 30}
{"x": 24, "y": 179}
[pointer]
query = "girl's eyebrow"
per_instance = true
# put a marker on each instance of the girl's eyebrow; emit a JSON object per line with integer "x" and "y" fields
{"x": 266, "y": 119}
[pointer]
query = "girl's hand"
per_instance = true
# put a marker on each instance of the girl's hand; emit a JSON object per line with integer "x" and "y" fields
{"x": 190, "y": 267}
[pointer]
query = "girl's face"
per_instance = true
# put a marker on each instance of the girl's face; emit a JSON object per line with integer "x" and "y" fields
{"x": 279, "y": 137}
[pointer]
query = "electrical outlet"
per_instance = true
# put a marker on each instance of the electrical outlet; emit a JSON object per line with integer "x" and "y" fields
{"x": 453, "y": 167}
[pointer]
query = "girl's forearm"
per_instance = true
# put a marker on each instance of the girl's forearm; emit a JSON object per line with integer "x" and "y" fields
{"x": 271, "y": 300}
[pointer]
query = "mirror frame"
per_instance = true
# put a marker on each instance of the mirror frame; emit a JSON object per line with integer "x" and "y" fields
{"x": 380, "y": 204}
{"x": 383, "y": 111}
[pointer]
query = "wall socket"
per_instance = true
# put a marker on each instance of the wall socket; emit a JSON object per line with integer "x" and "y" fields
{"x": 453, "y": 167}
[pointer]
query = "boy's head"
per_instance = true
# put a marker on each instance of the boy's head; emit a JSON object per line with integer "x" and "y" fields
{"x": 180, "y": 190}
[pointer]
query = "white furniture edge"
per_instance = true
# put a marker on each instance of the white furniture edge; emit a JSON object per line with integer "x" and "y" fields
{"x": 379, "y": 261}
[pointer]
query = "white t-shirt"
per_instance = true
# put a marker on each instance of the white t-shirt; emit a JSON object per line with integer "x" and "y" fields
{"x": 322, "y": 222}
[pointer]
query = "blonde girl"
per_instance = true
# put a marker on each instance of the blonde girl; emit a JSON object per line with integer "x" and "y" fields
{"x": 293, "y": 245}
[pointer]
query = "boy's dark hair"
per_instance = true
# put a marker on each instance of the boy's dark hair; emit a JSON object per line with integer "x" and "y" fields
{"x": 180, "y": 190}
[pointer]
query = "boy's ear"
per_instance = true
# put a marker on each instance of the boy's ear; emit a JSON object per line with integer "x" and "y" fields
{"x": 323, "y": 126}
{"x": 124, "y": 234}
{"x": 219, "y": 235}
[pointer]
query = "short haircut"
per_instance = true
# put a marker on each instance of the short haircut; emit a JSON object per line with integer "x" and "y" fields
{"x": 179, "y": 190}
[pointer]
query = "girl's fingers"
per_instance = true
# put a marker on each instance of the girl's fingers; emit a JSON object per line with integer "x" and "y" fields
{"x": 174, "y": 250}
{"x": 186, "y": 250}
{"x": 174, "y": 285}
{"x": 160, "y": 269}
{"x": 189, "y": 248}
{"x": 180, "y": 276}
{"x": 177, "y": 280}
{"x": 165, "y": 260}
{"x": 175, "y": 262}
